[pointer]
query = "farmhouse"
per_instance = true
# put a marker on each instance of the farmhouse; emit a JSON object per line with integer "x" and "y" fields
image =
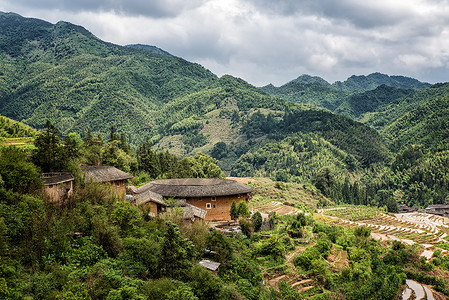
{"x": 109, "y": 175}
{"x": 210, "y": 194}
{"x": 402, "y": 208}
{"x": 58, "y": 186}
{"x": 439, "y": 209}
{"x": 148, "y": 199}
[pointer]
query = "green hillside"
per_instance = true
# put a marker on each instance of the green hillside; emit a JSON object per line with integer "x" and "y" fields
{"x": 356, "y": 105}
{"x": 372, "y": 81}
{"x": 320, "y": 95}
{"x": 354, "y": 97}
{"x": 384, "y": 115}
{"x": 426, "y": 124}
{"x": 65, "y": 74}
{"x": 13, "y": 129}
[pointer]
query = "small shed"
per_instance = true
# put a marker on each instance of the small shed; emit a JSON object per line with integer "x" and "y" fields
{"x": 109, "y": 175}
{"x": 210, "y": 265}
{"x": 58, "y": 185}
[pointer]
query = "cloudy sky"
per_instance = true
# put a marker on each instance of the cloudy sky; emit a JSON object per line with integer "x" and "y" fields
{"x": 272, "y": 41}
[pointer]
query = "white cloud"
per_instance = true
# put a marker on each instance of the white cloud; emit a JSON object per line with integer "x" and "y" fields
{"x": 265, "y": 41}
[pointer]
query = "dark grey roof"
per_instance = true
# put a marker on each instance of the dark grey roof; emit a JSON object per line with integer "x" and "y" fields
{"x": 148, "y": 196}
{"x": 211, "y": 265}
{"x": 191, "y": 211}
{"x": 438, "y": 206}
{"x": 104, "y": 173}
{"x": 197, "y": 187}
{"x": 55, "y": 178}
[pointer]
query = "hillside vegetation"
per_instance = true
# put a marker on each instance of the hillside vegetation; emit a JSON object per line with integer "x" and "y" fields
{"x": 63, "y": 73}
{"x": 158, "y": 103}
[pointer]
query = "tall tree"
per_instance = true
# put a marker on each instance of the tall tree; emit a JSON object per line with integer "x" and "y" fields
{"x": 49, "y": 152}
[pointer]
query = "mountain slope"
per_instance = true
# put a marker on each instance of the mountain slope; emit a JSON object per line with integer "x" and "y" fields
{"x": 63, "y": 73}
{"x": 353, "y": 98}
{"x": 426, "y": 124}
{"x": 372, "y": 81}
{"x": 13, "y": 129}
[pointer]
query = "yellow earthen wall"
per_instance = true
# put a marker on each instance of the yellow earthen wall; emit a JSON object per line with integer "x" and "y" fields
{"x": 58, "y": 192}
{"x": 222, "y": 209}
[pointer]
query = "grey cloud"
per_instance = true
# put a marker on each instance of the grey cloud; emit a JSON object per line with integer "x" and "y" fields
{"x": 363, "y": 14}
{"x": 149, "y": 8}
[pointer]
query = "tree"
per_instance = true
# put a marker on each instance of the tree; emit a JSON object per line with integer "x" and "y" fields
{"x": 219, "y": 150}
{"x": 242, "y": 209}
{"x": 49, "y": 152}
{"x": 203, "y": 166}
{"x": 72, "y": 145}
{"x": 147, "y": 159}
{"x": 257, "y": 221}
{"x": 323, "y": 180}
{"x": 234, "y": 212}
{"x": 114, "y": 156}
{"x": 176, "y": 253}
{"x": 17, "y": 172}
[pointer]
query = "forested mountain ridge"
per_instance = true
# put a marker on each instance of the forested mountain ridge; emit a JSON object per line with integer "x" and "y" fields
{"x": 63, "y": 73}
{"x": 353, "y": 97}
{"x": 425, "y": 123}
{"x": 149, "y": 48}
{"x": 372, "y": 81}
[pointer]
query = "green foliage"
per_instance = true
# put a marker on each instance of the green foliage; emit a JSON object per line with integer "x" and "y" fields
{"x": 242, "y": 209}
{"x": 17, "y": 172}
{"x": 13, "y": 129}
{"x": 49, "y": 152}
{"x": 234, "y": 211}
{"x": 113, "y": 155}
{"x": 257, "y": 220}
{"x": 218, "y": 242}
{"x": 176, "y": 253}
{"x": 271, "y": 246}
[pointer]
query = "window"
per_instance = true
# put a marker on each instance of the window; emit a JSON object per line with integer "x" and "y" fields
{"x": 208, "y": 206}
{"x": 213, "y": 206}
{"x": 214, "y": 198}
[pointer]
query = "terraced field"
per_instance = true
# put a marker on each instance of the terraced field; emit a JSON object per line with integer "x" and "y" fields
{"x": 427, "y": 230}
{"x": 24, "y": 142}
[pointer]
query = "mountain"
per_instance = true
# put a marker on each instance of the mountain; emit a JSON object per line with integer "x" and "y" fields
{"x": 372, "y": 81}
{"x": 149, "y": 48}
{"x": 64, "y": 73}
{"x": 316, "y": 93}
{"x": 354, "y": 97}
{"x": 356, "y": 105}
{"x": 424, "y": 120}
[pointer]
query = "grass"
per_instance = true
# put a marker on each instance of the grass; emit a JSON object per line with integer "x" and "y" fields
{"x": 273, "y": 193}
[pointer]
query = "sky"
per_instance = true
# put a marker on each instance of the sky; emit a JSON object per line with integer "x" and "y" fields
{"x": 272, "y": 41}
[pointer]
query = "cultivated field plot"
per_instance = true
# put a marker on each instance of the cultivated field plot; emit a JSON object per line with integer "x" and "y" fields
{"x": 24, "y": 142}
{"x": 425, "y": 229}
